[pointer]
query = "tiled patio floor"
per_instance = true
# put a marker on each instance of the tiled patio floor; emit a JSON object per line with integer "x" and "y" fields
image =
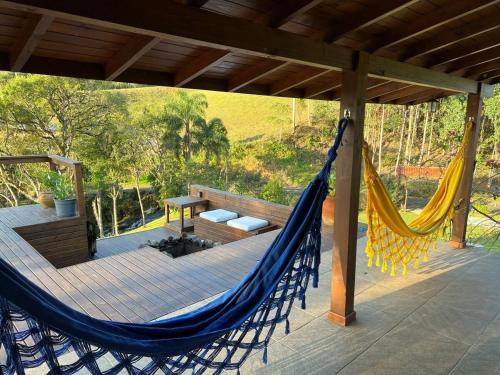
{"x": 442, "y": 319}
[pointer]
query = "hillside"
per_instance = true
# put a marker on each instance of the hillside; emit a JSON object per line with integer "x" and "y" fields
{"x": 245, "y": 116}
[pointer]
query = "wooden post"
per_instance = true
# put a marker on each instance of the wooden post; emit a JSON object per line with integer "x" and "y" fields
{"x": 462, "y": 201}
{"x": 80, "y": 194}
{"x": 348, "y": 176}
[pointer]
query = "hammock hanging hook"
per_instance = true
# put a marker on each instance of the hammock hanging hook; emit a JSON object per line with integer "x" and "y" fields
{"x": 347, "y": 113}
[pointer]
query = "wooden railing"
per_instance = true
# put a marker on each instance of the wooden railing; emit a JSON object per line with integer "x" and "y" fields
{"x": 54, "y": 161}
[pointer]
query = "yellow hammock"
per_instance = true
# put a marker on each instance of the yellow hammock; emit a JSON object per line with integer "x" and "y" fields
{"x": 389, "y": 237}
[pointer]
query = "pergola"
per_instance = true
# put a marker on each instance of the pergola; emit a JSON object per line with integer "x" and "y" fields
{"x": 392, "y": 51}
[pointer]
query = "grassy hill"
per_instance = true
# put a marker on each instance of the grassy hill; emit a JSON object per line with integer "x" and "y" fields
{"x": 245, "y": 116}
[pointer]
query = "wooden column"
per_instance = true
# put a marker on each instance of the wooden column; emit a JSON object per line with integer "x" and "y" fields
{"x": 462, "y": 201}
{"x": 80, "y": 194}
{"x": 348, "y": 175}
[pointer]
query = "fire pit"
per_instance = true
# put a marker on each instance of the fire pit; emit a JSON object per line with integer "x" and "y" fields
{"x": 181, "y": 245}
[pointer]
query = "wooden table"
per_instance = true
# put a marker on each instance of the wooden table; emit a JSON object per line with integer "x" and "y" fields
{"x": 183, "y": 225}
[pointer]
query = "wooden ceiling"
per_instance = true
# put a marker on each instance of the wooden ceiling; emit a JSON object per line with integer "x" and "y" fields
{"x": 291, "y": 48}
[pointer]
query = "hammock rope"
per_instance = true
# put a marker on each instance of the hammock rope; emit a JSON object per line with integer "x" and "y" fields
{"x": 390, "y": 238}
{"x": 37, "y": 330}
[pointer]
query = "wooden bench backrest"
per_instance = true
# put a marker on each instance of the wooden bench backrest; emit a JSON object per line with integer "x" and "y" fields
{"x": 243, "y": 205}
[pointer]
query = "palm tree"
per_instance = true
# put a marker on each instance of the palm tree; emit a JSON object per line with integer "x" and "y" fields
{"x": 185, "y": 109}
{"x": 210, "y": 138}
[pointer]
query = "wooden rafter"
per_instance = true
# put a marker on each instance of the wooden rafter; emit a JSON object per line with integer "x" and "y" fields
{"x": 283, "y": 13}
{"x": 386, "y": 88}
{"x": 377, "y": 11}
{"x": 332, "y": 84}
{"x": 296, "y": 79}
{"x": 198, "y": 66}
{"x": 477, "y": 71}
{"x": 472, "y": 60}
{"x": 453, "y": 11}
{"x": 405, "y": 91}
{"x": 447, "y": 38}
{"x": 487, "y": 41}
{"x": 286, "y": 10}
{"x": 252, "y": 74}
{"x": 422, "y": 97}
{"x": 35, "y": 27}
{"x": 490, "y": 76}
{"x": 166, "y": 20}
{"x": 128, "y": 55}
{"x": 196, "y": 3}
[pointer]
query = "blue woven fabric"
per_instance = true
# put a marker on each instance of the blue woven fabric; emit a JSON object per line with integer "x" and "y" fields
{"x": 37, "y": 330}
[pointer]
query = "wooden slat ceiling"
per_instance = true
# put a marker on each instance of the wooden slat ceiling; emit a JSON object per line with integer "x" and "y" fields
{"x": 459, "y": 37}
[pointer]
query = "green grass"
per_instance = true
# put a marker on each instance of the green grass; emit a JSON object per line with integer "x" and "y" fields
{"x": 245, "y": 116}
{"x": 156, "y": 223}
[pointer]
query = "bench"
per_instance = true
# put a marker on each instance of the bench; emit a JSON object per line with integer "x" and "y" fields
{"x": 275, "y": 214}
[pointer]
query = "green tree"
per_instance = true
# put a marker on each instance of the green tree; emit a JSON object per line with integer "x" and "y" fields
{"x": 210, "y": 138}
{"x": 184, "y": 108}
{"x": 55, "y": 110}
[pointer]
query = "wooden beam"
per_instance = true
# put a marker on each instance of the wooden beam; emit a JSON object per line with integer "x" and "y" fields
{"x": 198, "y": 66}
{"x": 477, "y": 45}
{"x": 286, "y": 10}
{"x": 376, "y": 11}
{"x": 296, "y": 79}
{"x": 129, "y": 54}
{"x": 448, "y": 37}
{"x": 32, "y": 32}
{"x": 255, "y": 72}
{"x": 432, "y": 20}
{"x": 166, "y": 20}
{"x": 402, "y": 72}
{"x": 462, "y": 200}
{"x": 348, "y": 178}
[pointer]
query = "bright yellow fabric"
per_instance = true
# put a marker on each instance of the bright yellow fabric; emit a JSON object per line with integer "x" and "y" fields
{"x": 390, "y": 238}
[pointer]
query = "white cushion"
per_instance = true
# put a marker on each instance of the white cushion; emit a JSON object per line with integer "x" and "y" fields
{"x": 219, "y": 215}
{"x": 248, "y": 223}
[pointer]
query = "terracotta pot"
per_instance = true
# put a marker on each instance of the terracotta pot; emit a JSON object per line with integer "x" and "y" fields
{"x": 328, "y": 210}
{"x": 46, "y": 199}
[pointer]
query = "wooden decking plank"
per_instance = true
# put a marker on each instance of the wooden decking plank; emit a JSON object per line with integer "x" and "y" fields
{"x": 164, "y": 263}
{"x": 117, "y": 287}
{"x": 151, "y": 279}
{"x": 107, "y": 309}
{"x": 176, "y": 282}
{"x": 148, "y": 290}
{"x": 87, "y": 280}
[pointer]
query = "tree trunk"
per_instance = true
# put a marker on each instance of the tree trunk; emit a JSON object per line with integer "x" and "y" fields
{"x": 410, "y": 131}
{"x": 187, "y": 142}
{"x": 139, "y": 198}
{"x": 422, "y": 148}
{"x": 414, "y": 132}
{"x": 114, "y": 197}
{"x": 379, "y": 167}
{"x": 401, "y": 137}
{"x": 430, "y": 135}
{"x": 97, "y": 210}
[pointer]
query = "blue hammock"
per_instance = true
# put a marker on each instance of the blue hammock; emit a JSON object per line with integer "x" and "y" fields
{"x": 36, "y": 329}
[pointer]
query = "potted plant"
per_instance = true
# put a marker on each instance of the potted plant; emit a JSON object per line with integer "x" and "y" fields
{"x": 45, "y": 196}
{"x": 63, "y": 191}
{"x": 329, "y": 203}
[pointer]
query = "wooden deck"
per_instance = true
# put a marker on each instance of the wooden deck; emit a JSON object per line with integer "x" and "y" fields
{"x": 129, "y": 284}
{"x": 62, "y": 241}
